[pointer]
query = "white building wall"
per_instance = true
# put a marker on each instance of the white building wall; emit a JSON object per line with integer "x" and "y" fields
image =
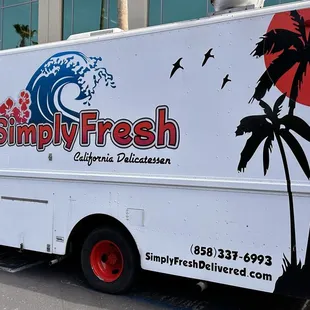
{"x": 50, "y": 20}
{"x": 137, "y": 13}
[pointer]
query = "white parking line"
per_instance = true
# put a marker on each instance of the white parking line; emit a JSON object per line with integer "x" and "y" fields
{"x": 305, "y": 306}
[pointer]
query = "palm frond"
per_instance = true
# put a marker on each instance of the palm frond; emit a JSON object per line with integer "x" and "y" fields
{"x": 24, "y": 31}
{"x": 275, "y": 41}
{"x": 267, "y": 108}
{"x": 17, "y": 28}
{"x": 278, "y": 105}
{"x": 299, "y": 24}
{"x": 295, "y": 123}
{"x": 252, "y": 123}
{"x": 297, "y": 150}
{"x": 274, "y": 72}
{"x": 260, "y": 129}
{"x": 249, "y": 149}
{"x": 297, "y": 82}
{"x": 267, "y": 149}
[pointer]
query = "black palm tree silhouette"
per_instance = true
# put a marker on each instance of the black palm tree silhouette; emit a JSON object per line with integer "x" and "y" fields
{"x": 295, "y": 47}
{"x": 267, "y": 127}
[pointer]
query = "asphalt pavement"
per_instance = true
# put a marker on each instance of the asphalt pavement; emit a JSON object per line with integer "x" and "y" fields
{"x": 27, "y": 282}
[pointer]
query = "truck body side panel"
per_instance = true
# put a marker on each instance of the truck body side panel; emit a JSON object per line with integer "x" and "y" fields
{"x": 211, "y": 184}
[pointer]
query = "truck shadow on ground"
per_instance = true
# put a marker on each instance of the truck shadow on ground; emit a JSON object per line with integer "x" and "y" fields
{"x": 65, "y": 281}
{"x": 182, "y": 293}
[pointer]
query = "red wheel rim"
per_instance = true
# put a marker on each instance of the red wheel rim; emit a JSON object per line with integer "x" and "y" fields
{"x": 106, "y": 261}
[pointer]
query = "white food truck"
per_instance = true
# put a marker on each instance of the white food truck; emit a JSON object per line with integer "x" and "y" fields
{"x": 180, "y": 149}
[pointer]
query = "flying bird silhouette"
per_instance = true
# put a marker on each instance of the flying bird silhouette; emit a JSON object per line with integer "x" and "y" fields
{"x": 176, "y": 66}
{"x": 207, "y": 56}
{"x": 225, "y": 80}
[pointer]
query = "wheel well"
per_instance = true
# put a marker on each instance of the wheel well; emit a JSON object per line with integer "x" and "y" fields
{"x": 82, "y": 229}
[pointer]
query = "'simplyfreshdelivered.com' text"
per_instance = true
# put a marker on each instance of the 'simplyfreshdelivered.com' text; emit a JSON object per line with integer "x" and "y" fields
{"x": 213, "y": 267}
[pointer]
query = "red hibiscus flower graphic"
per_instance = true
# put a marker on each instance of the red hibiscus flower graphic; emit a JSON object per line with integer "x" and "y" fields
{"x": 21, "y": 114}
{"x": 24, "y": 97}
{"x": 6, "y": 108}
{"x": 17, "y": 109}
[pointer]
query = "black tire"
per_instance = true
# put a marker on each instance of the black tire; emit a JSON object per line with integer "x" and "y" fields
{"x": 130, "y": 260}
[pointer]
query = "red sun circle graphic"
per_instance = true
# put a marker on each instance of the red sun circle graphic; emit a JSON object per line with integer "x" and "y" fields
{"x": 283, "y": 20}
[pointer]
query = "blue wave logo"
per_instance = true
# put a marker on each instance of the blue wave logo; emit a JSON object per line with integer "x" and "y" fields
{"x": 47, "y": 84}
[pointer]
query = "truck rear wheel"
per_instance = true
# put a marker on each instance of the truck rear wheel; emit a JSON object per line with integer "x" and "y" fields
{"x": 109, "y": 260}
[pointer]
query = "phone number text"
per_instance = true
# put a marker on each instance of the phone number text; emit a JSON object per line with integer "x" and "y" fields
{"x": 230, "y": 255}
